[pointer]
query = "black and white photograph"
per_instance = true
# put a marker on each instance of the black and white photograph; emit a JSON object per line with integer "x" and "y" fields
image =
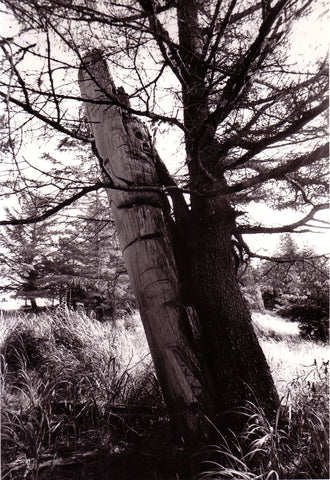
{"x": 164, "y": 239}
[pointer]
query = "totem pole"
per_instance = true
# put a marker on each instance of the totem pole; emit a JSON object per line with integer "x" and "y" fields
{"x": 127, "y": 158}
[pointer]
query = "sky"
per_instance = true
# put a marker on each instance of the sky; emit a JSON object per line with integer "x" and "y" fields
{"x": 310, "y": 36}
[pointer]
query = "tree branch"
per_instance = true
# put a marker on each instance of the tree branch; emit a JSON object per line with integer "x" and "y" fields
{"x": 51, "y": 211}
{"x": 256, "y": 147}
{"x": 281, "y": 171}
{"x": 222, "y": 28}
{"x": 245, "y": 229}
{"x": 32, "y": 111}
{"x": 284, "y": 259}
{"x": 180, "y": 206}
{"x": 237, "y": 79}
{"x": 27, "y": 107}
{"x": 299, "y": 188}
{"x": 170, "y": 189}
{"x": 162, "y": 36}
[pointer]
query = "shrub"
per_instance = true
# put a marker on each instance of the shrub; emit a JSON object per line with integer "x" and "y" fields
{"x": 311, "y": 312}
{"x": 269, "y": 297}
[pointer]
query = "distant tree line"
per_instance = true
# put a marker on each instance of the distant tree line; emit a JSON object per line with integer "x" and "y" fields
{"x": 76, "y": 262}
{"x": 295, "y": 284}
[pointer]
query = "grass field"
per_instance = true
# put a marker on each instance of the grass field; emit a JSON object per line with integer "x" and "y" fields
{"x": 291, "y": 358}
{"x": 74, "y": 388}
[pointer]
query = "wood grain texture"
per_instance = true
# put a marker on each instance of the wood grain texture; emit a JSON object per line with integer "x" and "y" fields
{"x": 124, "y": 145}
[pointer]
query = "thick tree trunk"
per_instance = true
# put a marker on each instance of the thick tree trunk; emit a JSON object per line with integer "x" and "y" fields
{"x": 125, "y": 152}
{"x": 231, "y": 349}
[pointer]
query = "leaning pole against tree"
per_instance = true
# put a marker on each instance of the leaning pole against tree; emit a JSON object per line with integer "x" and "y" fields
{"x": 127, "y": 160}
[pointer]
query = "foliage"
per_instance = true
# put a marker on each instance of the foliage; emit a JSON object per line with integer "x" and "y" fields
{"x": 296, "y": 286}
{"x": 312, "y": 313}
{"x": 22, "y": 258}
{"x": 68, "y": 384}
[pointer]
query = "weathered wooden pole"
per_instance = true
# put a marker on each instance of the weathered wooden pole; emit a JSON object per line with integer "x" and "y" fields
{"x": 125, "y": 151}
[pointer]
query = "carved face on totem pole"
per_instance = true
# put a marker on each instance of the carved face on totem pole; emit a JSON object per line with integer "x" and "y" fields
{"x": 139, "y": 140}
{"x": 123, "y": 142}
{"x": 129, "y": 150}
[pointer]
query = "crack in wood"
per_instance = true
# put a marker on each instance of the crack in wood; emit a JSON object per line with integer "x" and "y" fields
{"x": 146, "y": 237}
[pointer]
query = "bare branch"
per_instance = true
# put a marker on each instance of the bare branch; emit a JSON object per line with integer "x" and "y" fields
{"x": 237, "y": 79}
{"x": 294, "y": 127}
{"x": 281, "y": 171}
{"x": 222, "y": 28}
{"x": 50, "y": 74}
{"x": 292, "y": 227}
{"x": 299, "y": 188}
{"x": 288, "y": 260}
{"x": 171, "y": 189}
{"x": 49, "y": 121}
{"x": 162, "y": 38}
{"x": 51, "y": 211}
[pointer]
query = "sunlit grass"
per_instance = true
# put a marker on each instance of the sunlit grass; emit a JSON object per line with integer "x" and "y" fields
{"x": 296, "y": 444}
{"x": 8, "y": 321}
{"x": 63, "y": 370}
{"x": 270, "y": 324}
{"x": 123, "y": 339}
{"x": 291, "y": 359}
{"x": 62, "y": 374}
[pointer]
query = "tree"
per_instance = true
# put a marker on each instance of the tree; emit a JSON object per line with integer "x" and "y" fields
{"x": 282, "y": 274}
{"x": 297, "y": 283}
{"x": 76, "y": 261}
{"x": 220, "y": 76}
{"x": 24, "y": 249}
{"x": 86, "y": 267}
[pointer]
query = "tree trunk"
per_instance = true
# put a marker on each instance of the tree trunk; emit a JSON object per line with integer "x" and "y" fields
{"x": 205, "y": 366}
{"x": 232, "y": 351}
{"x": 33, "y": 303}
{"x": 125, "y": 152}
{"x": 230, "y": 348}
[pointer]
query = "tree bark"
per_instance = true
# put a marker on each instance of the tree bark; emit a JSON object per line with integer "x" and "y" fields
{"x": 125, "y": 151}
{"x": 33, "y": 303}
{"x": 230, "y": 347}
{"x": 232, "y": 352}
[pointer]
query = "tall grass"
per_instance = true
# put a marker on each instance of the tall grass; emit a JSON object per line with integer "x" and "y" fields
{"x": 296, "y": 444}
{"x": 291, "y": 358}
{"x": 72, "y": 386}
{"x": 66, "y": 379}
